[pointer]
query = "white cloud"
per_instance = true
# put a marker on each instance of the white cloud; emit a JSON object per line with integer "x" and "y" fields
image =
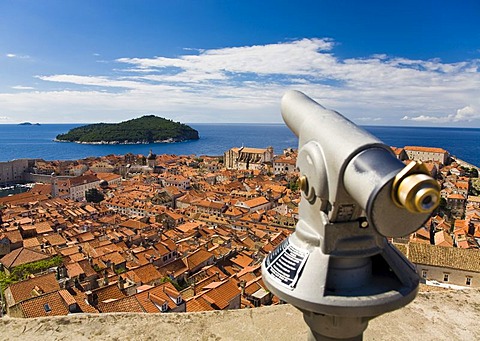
{"x": 290, "y": 58}
{"x": 369, "y": 119}
{"x": 4, "y": 118}
{"x": 245, "y": 84}
{"x": 90, "y": 81}
{"x": 21, "y": 87}
{"x": 13, "y": 55}
{"x": 465, "y": 114}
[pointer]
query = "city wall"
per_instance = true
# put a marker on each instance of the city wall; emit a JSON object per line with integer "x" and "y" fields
{"x": 47, "y": 179}
{"x": 445, "y": 315}
{"x": 12, "y": 172}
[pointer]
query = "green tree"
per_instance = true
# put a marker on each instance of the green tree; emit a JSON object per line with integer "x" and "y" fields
{"x": 293, "y": 184}
{"x": 93, "y": 195}
{"x": 23, "y": 271}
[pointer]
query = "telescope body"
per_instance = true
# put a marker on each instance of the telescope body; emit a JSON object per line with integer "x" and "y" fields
{"x": 337, "y": 267}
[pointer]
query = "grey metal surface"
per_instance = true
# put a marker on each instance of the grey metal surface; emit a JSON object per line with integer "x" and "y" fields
{"x": 337, "y": 266}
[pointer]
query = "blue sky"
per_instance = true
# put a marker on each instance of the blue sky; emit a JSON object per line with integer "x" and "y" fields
{"x": 376, "y": 62}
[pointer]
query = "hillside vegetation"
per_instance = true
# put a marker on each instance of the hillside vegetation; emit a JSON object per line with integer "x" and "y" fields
{"x": 146, "y": 129}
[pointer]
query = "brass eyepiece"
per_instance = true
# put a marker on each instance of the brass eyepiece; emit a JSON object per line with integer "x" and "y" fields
{"x": 415, "y": 190}
{"x": 419, "y": 193}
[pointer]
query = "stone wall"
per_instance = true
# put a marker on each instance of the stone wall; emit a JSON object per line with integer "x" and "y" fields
{"x": 446, "y": 315}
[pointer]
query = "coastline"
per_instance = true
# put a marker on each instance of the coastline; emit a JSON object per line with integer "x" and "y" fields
{"x": 466, "y": 164}
{"x": 18, "y": 143}
{"x": 170, "y": 140}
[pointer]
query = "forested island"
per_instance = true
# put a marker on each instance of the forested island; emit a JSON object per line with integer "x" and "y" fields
{"x": 146, "y": 129}
{"x": 28, "y": 124}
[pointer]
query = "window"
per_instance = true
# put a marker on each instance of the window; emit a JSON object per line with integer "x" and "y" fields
{"x": 468, "y": 281}
{"x": 424, "y": 273}
{"x": 47, "y": 308}
{"x": 445, "y": 277}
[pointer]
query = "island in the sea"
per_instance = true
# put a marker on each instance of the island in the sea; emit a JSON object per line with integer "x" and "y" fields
{"x": 28, "y": 124}
{"x": 146, "y": 129}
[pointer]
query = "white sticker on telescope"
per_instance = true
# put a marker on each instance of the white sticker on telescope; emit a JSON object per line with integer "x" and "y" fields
{"x": 285, "y": 263}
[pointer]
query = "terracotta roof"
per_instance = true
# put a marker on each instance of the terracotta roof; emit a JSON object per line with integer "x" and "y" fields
{"x": 175, "y": 268}
{"x": 67, "y": 297}
{"x": 24, "y": 290}
{"x": 81, "y": 299}
{"x": 198, "y": 257}
{"x": 443, "y": 238}
{"x": 51, "y": 304}
{"x": 217, "y": 205}
{"x": 14, "y": 236}
{"x": 87, "y": 268}
{"x": 456, "y": 196}
{"x": 134, "y": 224}
{"x": 114, "y": 257}
{"x": 108, "y": 292}
{"x": 426, "y": 149}
{"x": 249, "y": 150}
{"x": 198, "y": 304}
{"x": 69, "y": 250}
{"x": 108, "y": 176}
{"x": 223, "y": 294}
{"x": 242, "y": 260}
{"x": 22, "y": 256}
{"x": 83, "y": 179}
{"x": 43, "y": 227}
{"x": 147, "y": 273}
{"x": 446, "y": 257}
{"x": 55, "y": 239}
{"x": 128, "y": 304}
{"x": 472, "y": 198}
{"x": 31, "y": 243}
{"x": 285, "y": 159}
{"x": 256, "y": 202}
{"x": 252, "y": 287}
{"x": 76, "y": 257}
{"x": 189, "y": 226}
{"x": 165, "y": 292}
{"x": 74, "y": 270}
{"x": 161, "y": 248}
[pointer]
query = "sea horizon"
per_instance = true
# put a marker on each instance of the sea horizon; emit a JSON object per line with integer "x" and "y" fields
{"x": 241, "y": 123}
{"x": 37, "y": 141}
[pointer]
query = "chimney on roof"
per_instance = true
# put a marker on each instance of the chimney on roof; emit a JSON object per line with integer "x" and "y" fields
{"x": 242, "y": 286}
{"x": 121, "y": 283}
{"x": 105, "y": 277}
{"x": 92, "y": 298}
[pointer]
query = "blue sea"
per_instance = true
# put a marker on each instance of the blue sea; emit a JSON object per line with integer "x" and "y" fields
{"x": 24, "y": 141}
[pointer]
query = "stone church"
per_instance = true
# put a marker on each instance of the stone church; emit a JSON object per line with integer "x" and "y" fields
{"x": 247, "y": 158}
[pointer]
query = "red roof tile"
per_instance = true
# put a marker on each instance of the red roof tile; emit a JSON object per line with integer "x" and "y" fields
{"x": 51, "y": 304}
{"x": 22, "y": 256}
{"x": 31, "y": 287}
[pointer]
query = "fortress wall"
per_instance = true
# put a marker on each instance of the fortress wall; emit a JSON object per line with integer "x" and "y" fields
{"x": 445, "y": 315}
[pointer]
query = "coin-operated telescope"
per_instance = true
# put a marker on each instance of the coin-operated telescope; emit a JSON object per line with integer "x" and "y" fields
{"x": 337, "y": 267}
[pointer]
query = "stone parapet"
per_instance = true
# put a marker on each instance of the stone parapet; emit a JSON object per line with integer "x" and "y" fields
{"x": 445, "y": 315}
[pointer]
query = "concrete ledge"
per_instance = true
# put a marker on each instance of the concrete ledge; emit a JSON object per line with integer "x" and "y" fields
{"x": 449, "y": 315}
